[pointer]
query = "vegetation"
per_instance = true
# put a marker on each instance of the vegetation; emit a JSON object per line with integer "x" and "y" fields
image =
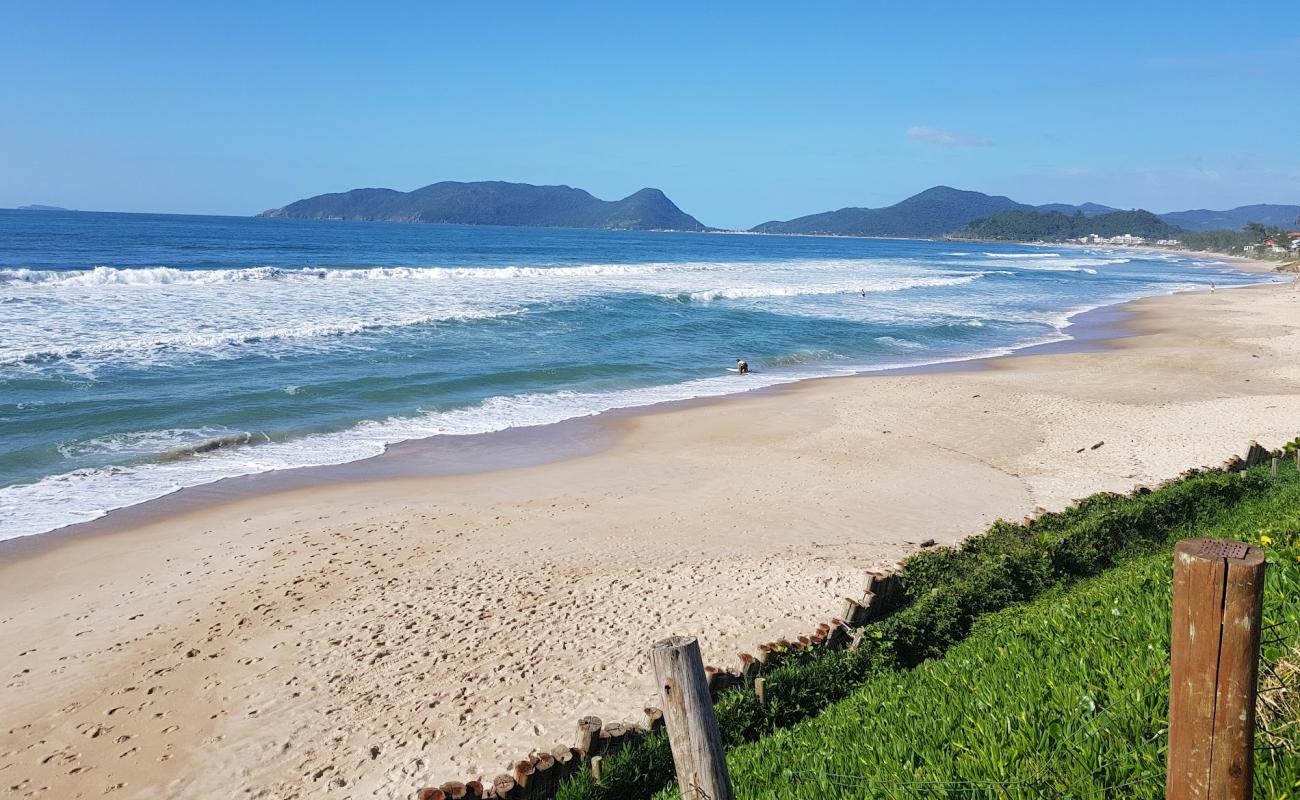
{"x": 934, "y": 212}
{"x": 1029, "y": 226}
{"x": 1064, "y": 697}
{"x": 496, "y": 203}
{"x": 916, "y": 718}
{"x": 1255, "y": 233}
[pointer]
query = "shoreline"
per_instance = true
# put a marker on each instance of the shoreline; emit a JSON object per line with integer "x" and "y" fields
{"x": 455, "y": 621}
{"x": 1089, "y": 330}
{"x": 510, "y": 447}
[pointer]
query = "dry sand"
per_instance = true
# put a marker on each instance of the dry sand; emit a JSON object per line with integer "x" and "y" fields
{"x": 362, "y": 640}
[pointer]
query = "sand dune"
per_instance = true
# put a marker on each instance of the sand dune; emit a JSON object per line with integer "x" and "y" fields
{"x": 362, "y": 640}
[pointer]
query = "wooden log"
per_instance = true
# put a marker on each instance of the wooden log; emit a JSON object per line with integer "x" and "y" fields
{"x": 566, "y": 762}
{"x": 654, "y": 718}
{"x": 611, "y": 738}
{"x": 475, "y": 789}
{"x": 839, "y": 635}
{"x": 698, "y": 756}
{"x": 854, "y": 613}
{"x": 771, "y": 654}
{"x": 503, "y": 786}
{"x": 750, "y": 668}
{"x": 544, "y": 778}
{"x": 856, "y": 640}
{"x": 429, "y": 793}
{"x": 1275, "y": 464}
{"x": 523, "y": 775}
{"x": 1214, "y": 665}
{"x": 596, "y": 762}
{"x": 588, "y": 735}
{"x": 759, "y": 685}
{"x": 454, "y": 790}
{"x": 720, "y": 679}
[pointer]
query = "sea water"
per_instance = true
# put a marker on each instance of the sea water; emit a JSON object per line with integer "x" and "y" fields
{"x": 140, "y": 354}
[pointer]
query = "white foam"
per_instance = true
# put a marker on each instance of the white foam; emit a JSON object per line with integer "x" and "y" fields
{"x": 210, "y": 343}
{"x": 167, "y": 315}
{"x": 1023, "y": 255}
{"x": 868, "y": 286}
{"x": 86, "y": 494}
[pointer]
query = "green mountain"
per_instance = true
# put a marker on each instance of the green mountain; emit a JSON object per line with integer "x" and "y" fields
{"x": 1028, "y": 226}
{"x": 934, "y": 212}
{"x": 1201, "y": 219}
{"x": 1087, "y": 209}
{"x": 496, "y": 203}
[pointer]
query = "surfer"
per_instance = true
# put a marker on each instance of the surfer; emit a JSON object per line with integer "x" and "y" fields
{"x": 742, "y": 366}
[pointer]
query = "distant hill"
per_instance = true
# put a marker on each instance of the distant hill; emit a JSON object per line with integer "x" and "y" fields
{"x": 38, "y": 207}
{"x": 1029, "y": 226}
{"x": 934, "y": 212}
{"x": 1201, "y": 219}
{"x": 496, "y": 203}
{"x": 943, "y": 210}
{"x": 1087, "y": 209}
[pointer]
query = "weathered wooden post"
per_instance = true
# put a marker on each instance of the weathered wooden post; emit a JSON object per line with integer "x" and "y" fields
{"x": 589, "y": 735}
{"x": 1275, "y": 462}
{"x": 1213, "y": 669}
{"x": 688, "y": 714}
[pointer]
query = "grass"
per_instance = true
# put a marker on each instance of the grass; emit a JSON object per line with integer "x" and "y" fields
{"x": 982, "y": 693}
{"x": 1065, "y": 696}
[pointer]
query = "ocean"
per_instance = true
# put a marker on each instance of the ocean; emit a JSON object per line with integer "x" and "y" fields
{"x": 141, "y": 354}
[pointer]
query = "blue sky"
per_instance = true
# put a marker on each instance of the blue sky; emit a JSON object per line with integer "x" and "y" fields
{"x": 740, "y": 112}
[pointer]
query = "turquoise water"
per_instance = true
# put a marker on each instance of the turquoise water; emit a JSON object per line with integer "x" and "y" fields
{"x": 144, "y": 353}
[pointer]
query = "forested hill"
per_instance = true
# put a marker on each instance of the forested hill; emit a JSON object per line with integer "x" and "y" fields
{"x": 497, "y": 203}
{"x": 1030, "y": 226}
{"x": 937, "y": 211}
{"x": 1203, "y": 219}
{"x": 933, "y": 212}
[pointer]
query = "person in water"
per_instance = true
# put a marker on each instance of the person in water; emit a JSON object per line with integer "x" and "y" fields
{"x": 742, "y": 365}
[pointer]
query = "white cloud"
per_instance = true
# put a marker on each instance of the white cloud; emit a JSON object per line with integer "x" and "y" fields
{"x": 924, "y": 133}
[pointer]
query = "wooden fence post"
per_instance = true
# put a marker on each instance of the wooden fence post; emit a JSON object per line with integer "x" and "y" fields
{"x": 1275, "y": 460}
{"x": 1214, "y": 665}
{"x": 692, "y": 725}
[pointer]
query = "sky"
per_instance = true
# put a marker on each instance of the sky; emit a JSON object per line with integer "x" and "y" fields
{"x": 740, "y": 112}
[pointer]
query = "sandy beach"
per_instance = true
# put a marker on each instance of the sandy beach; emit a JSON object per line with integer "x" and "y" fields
{"x": 364, "y": 639}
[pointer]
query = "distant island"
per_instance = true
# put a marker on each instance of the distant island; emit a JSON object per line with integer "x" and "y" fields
{"x": 38, "y": 207}
{"x": 1265, "y": 230}
{"x": 937, "y": 211}
{"x": 944, "y": 211}
{"x": 496, "y": 203}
